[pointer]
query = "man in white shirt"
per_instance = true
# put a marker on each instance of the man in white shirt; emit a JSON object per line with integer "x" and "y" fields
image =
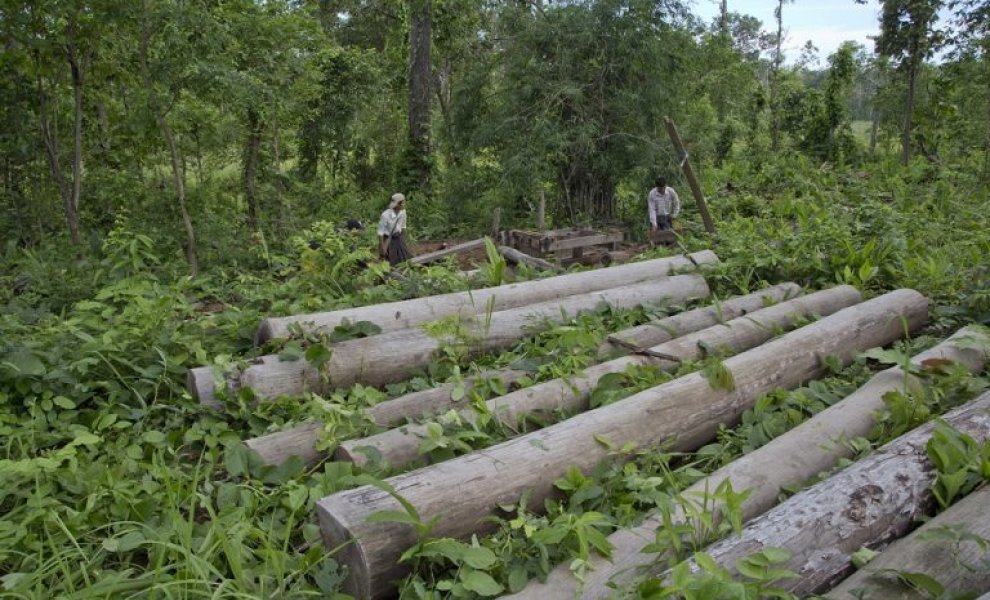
{"x": 663, "y": 206}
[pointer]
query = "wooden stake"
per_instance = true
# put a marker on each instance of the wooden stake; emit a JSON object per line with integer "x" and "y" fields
{"x": 496, "y": 222}
{"x": 682, "y": 155}
{"x": 541, "y": 214}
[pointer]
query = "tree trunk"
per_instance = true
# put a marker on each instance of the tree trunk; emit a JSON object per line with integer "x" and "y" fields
{"x": 909, "y": 113}
{"x": 515, "y": 257}
{"x": 51, "y": 148}
{"x": 392, "y": 357}
{"x": 961, "y": 570}
{"x": 874, "y": 127}
{"x": 874, "y": 501}
{"x": 399, "y": 448}
{"x": 664, "y": 330}
{"x": 789, "y": 460}
{"x": 420, "y": 33}
{"x": 394, "y": 316}
{"x": 178, "y": 178}
{"x": 683, "y": 414}
{"x": 252, "y": 147}
{"x": 778, "y": 61}
{"x": 986, "y": 140}
{"x": 301, "y": 441}
{"x": 432, "y": 257}
{"x": 77, "y": 108}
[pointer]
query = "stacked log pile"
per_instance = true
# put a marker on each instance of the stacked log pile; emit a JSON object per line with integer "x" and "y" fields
{"x": 761, "y": 342}
{"x": 684, "y": 414}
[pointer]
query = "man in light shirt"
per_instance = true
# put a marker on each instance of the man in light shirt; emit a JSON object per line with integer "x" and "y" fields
{"x": 663, "y": 206}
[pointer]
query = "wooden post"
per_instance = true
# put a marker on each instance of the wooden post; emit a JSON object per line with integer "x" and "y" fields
{"x": 682, "y": 155}
{"x": 496, "y": 222}
{"x": 541, "y": 213}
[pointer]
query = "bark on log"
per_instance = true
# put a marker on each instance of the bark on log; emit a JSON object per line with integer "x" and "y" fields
{"x": 684, "y": 413}
{"x": 616, "y": 257}
{"x": 797, "y": 456}
{"x": 300, "y": 441}
{"x": 431, "y": 257}
{"x": 870, "y": 503}
{"x": 394, "y": 316}
{"x": 391, "y": 357}
{"x": 515, "y": 257}
{"x": 399, "y": 448}
{"x": 664, "y": 330}
{"x": 961, "y": 569}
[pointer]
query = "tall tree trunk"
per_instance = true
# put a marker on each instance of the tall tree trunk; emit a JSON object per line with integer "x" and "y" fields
{"x": 909, "y": 113}
{"x": 251, "y": 153}
{"x": 986, "y": 141}
{"x": 178, "y": 177}
{"x": 103, "y": 122}
{"x": 50, "y": 140}
{"x": 778, "y": 59}
{"x": 420, "y": 32}
{"x": 77, "y": 96}
{"x": 277, "y": 161}
{"x": 723, "y": 18}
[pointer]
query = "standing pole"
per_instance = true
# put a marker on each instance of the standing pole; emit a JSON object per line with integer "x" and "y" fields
{"x": 496, "y": 222}
{"x": 682, "y": 155}
{"x": 541, "y": 214}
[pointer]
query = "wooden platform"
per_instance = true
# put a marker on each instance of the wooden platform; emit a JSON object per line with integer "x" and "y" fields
{"x": 563, "y": 246}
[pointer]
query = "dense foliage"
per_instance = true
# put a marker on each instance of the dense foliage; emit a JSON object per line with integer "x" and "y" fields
{"x": 172, "y": 172}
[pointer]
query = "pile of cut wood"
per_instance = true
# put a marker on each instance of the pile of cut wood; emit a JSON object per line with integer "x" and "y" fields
{"x": 770, "y": 344}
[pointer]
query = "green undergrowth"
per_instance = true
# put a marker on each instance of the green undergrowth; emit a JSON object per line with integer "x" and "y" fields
{"x": 115, "y": 483}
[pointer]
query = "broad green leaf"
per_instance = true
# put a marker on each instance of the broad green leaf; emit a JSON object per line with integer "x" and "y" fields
{"x": 480, "y": 583}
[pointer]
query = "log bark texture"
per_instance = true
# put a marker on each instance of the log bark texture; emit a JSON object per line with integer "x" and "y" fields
{"x": 664, "y": 330}
{"x": 515, "y": 257}
{"x": 399, "y": 447}
{"x": 874, "y": 501}
{"x": 394, "y": 316}
{"x": 391, "y": 357}
{"x": 684, "y": 413}
{"x": 300, "y": 441}
{"x": 962, "y": 569}
{"x": 431, "y": 257}
{"x": 796, "y": 456}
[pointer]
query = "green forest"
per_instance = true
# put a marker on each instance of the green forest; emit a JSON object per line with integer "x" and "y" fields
{"x": 174, "y": 172}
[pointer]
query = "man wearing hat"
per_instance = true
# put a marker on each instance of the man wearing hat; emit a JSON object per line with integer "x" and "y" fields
{"x": 392, "y": 231}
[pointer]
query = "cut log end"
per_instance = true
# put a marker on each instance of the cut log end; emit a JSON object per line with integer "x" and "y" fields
{"x": 350, "y": 554}
{"x": 266, "y": 331}
{"x": 201, "y": 385}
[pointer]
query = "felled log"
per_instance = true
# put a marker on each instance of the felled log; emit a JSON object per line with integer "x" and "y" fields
{"x": 431, "y": 257}
{"x": 515, "y": 257}
{"x": 399, "y": 447}
{"x": 616, "y": 257}
{"x": 796, "y": 456}
{"x": 300, "y": 441}
{"x": 870, "y": 503}
{"x": 684, "y": 413}
{"x": 394, "y": 316}
{"x": 393, "y": 356}
{"x": 960, "y": 570}
{"x": 664, "y": 330}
